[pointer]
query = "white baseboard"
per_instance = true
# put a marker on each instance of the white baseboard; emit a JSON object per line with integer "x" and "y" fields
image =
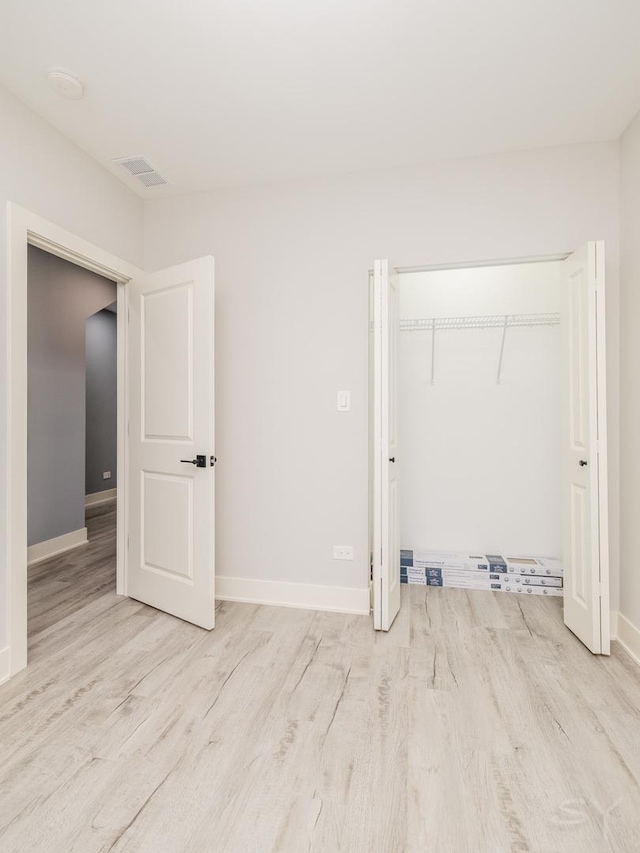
{"x": 100, "y": 497}
{"x": 58, "y": 545}
{"x": 628, "y": 635}
{"x": 5, "y": 664}
{"x": 302, "y": 595}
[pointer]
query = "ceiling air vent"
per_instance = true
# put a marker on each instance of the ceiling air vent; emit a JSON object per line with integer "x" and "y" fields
{"x": 142, "y": 170}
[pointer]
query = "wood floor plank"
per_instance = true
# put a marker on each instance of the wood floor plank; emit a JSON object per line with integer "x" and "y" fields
{"x": 478, "y": 723}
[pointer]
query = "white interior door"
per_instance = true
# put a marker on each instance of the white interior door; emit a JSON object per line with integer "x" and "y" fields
{"x": 386, "y": 544}
{"x": 171, "y": 528}
{"x": 585, "y": 522}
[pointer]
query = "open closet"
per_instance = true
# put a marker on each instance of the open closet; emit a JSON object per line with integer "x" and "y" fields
{"x": 488, "y": 451}
{"x": 480, "y": 426}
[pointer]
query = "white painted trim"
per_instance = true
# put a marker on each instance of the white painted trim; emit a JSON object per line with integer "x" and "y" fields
{"x": 5, "y": 664}
{"x": 26, "y": 228}
{"x": 58, "y": 545}
{"x": 628, "y": 635}
{"x": 78, "y": 257}
{"x": 96, "y": 498}
{"x": 602, "y": 453}
{"x": 306, "y": 596}
{"x": 122, "y": 440}
{"x": 613, "y": 624}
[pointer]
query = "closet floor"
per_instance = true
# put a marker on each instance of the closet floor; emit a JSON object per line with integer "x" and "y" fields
{"x": 479, "y": 724}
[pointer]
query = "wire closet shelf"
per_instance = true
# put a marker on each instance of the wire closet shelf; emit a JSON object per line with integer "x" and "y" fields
{"x": 490, "y": 321}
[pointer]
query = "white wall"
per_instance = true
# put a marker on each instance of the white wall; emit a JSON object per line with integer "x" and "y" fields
{"x": 630, "y": 373}
{"x": 481, "y": 462}
{"x": 44, "y": 172}
{"x": 292, "y": 320}
{"x": 532, "y": 288}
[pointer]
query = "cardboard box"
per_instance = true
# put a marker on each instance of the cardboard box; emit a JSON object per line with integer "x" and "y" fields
{"x": 450, "y": 560}
{"x": 460, "y": 584}
{"x": 464, "y": 575}
{"x": 535, "y": 566}
{"x": 412, "y": 572}
{"x": 497, "y": 586}
{"x": 428, "y": 559}
{"x": 535, "y": 590}
{"x": 535, "y": 580}
{"x": 465, "y": 578}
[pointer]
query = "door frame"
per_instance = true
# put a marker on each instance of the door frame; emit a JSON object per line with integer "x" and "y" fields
{"x": 532, "y": 259}
{"x": 24, "y": 229}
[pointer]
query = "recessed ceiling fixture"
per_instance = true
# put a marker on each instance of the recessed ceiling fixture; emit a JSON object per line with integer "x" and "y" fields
{"x": 65, "y": 83}
{"x": 142, "y": 170}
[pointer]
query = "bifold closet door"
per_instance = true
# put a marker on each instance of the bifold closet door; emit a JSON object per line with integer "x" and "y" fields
{"x": 386, "y": 544}
{"x": 170, "y": 500}
{"x": 585, "y": 502}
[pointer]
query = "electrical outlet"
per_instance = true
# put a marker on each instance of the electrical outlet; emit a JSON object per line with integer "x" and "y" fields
{"x": 106, "y": 475}
{"x": 343, "y": 552}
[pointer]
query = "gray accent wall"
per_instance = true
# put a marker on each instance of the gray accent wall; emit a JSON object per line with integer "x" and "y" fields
{"x": 61, "y": 296}
{"x": 101, "y": 400}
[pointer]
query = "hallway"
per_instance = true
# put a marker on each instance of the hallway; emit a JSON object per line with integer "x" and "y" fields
{"x": 64, "y": 585}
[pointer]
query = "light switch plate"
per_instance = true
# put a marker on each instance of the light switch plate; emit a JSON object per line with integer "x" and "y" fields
{"x": 344, "y": 401}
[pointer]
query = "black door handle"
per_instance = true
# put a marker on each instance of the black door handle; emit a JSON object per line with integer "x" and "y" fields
{"x": 582, "y": 463}
{"x": 200, "y": 461}
{"x": 392, "y": 459}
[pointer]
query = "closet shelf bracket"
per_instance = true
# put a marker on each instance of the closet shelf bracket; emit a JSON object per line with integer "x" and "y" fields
{"x": 504, "y": 335}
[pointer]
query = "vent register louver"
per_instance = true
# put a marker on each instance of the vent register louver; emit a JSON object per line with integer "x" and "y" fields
{"x": 142, "y": 170}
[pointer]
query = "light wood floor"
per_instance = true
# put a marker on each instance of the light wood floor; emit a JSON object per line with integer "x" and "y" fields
{"x": 477, "y": 724}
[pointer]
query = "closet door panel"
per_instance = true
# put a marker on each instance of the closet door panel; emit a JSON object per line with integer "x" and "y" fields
{"x": 585, "y": 521}
{"x": 386, "y": 544}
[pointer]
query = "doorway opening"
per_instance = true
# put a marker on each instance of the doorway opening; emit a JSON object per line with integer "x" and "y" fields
{"x": 480, "y": 411}
{"x": 25, "y": 230}
{"x": 488, "y": 459}
{"x": 165, "y": 548}
{"x": 72, "y": 438}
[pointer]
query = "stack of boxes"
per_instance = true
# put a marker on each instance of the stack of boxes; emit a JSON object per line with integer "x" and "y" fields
{"x": 531, "y": 575}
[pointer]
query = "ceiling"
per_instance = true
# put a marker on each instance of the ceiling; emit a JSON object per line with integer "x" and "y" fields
{"x": 218, "y": 94}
